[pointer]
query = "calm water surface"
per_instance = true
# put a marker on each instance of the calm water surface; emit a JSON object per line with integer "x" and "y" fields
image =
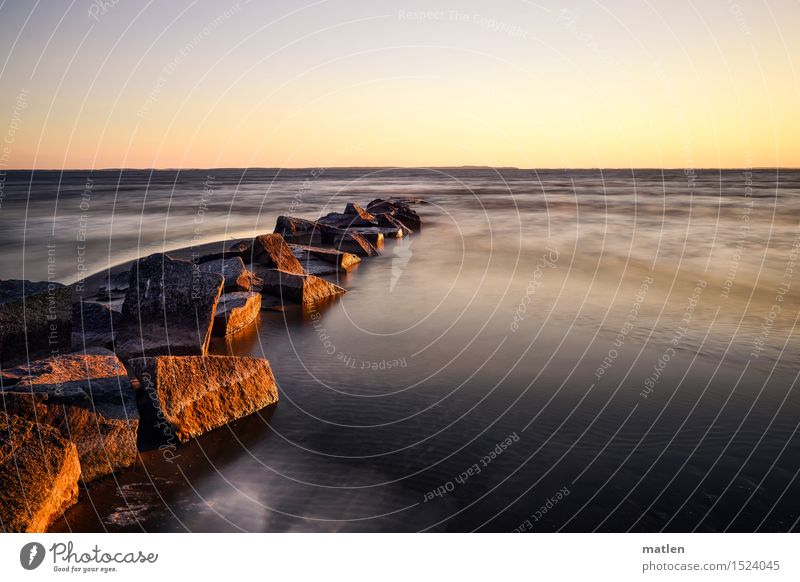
{"x": 629, "y": 337}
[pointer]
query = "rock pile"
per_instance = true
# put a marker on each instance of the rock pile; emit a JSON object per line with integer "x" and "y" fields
{"x": 74, "y": 416}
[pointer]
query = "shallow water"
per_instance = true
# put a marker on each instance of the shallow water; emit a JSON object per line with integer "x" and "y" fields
{"x": 632, "y": 335}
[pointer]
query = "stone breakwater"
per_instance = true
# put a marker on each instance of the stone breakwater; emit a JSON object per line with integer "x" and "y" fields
{"x": 84, "y": 378}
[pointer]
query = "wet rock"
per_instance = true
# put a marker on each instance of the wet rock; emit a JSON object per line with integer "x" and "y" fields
{"x": 298, "y": 288}
{"x": 313, "y": 265}
{"x": 39, "y": 472}
{"x": 400, "y": 211}
{"x": 114, "y": 283}
{"x": 93, "y": 325}
{"x": 196, "y": 394}
{"x": 348, "y": 220}
{"x": 407, "y": 200}
{"x": 354, "y": 208}
{"x": 35, "y": 320}
{"x": 348, "y": 242}
{"x": 374, "y": 235}
{"x": 169, "y": 308}
{"x": 88, "y": 398}
{"x": 237, "y": 277}
{"x": 271, "y": 250}
{"x": 240, "y": 248}
{"x": 297, "y": 230}
{"x": 391, "y": 224}
{"x": 271, "y": 303}
{"x": 339, "y": 259}
{"x": 236, "y": 311}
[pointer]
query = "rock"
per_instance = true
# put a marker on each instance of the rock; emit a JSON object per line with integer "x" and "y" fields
{"x": 169, "y": 308}
{"x": 239, "y": 249}
{"x": 407, "y": 200}
{"x": 39, "y": 473}
{"x": 270, "y": 303}
{"x": 35, "y": 319}
{"x": 237, "y": 277}
{"x": 88, "y": 398}
{"x": 400, "y": 211}
{"x": 338, "y": 258}
{"x": 236, "y": 311}
{"x": 114, "y": 283}
{"x": 392, "y": 224}
{"x": 374, "y": 235}
{"x": 298, "y": 288}
{"x": 93, "y": 325}
{"x": 297, "y": 230}
{"x": 354, "y": 208}
{"x": 348, "y": 220}
{"x": 313, "y": 265}
{"x": 271, "y": 250}
{"x": 197, "y": 394}
{"x": 348, "y": 242}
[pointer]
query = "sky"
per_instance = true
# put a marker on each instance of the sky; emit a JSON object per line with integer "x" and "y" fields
{"x": 278, "y": 83}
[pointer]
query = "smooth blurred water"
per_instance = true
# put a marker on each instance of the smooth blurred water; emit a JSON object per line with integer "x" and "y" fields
{"x": 632, "y": 332}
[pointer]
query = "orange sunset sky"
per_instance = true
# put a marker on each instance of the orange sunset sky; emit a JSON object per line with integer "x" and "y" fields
{"x": 345, "y": 83}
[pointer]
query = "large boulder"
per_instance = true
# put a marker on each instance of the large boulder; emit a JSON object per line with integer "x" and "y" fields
{"x": 198, "y": 394}
{"x": 39, "y": 472}
{"x": 271, "y": 250}
{"x": 93, "y": 325}
{"x": 169, "y": 308}
{"x": 236, "y": 311}
{"x": 339, "y": 259}
{"x": 297, "y": 230}
{"x": 88, "y": 398}
{"x": 35, "y": 320}
{"x": 237, "y": 277}
{"x": 298, "y": 288}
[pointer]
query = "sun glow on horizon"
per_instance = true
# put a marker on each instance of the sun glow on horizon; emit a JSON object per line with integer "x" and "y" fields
{"x": 344, "y": 84}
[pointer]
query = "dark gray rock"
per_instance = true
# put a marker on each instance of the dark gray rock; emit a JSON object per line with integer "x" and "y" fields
{"x": 306, "y": 254}
{"x": 93, "y": 325}
{"x": 35, "y": 320}
{"x": 398, "y": 210}
{"x": 168, "y": 309}
{"x": 114, "y": 283}
{"x": 348, "y": 242}
{"x": 297, "y": 230}
{"x": 391, "y": 223}
{"x": 237, "y": 277}
{"x": 373, "y": 234}
{"x": 348, "y": 220}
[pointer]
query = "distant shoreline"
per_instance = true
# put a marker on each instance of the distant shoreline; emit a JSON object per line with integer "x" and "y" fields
{"x": 311, "y": 168}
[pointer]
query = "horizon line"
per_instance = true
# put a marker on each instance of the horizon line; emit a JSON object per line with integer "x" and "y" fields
{"x": 459, "y": 167}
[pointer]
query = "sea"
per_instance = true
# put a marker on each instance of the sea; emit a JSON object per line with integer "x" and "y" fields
{"x": 556, "y": 350}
